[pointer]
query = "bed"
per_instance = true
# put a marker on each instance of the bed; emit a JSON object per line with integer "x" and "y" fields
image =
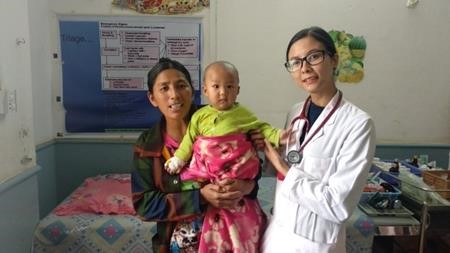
{"x": 98, "y": 217}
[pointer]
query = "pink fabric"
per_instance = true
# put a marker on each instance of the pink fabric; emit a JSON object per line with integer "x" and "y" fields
{"x": 230, "y": 156}
{"x": 170, "y": 143}
{"x": 107, "y": 194}
{"x": 235, "y": 230}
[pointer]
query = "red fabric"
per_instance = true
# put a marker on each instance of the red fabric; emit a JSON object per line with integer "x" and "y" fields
{"x": 280, "y": 176}
{"x": 238, "y": 229}
{"x": 220, "y": 157}
{"x": 109, "y": 194}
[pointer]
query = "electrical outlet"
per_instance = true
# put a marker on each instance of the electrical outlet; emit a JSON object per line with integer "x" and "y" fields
{"x": 12, "y": 101}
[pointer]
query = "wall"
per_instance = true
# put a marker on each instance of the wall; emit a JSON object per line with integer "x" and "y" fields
{"x": 18, "y": 181}
{"x": 43, "y": 67}
{"x": 406, "y": 65}
{"x": 18, "y": 218}
{"x": 76, "y": 160}
{"x": 17, "y": 152}
{"x": 45, "y": 156}
{"x": 400, "y": 77}
{"x": 67, "y": 162}
{"x": 406, "y": 86}
{"x": 394, "y": 91}
{"x": 395, "y": 67}
{"x": 98, "y": 8}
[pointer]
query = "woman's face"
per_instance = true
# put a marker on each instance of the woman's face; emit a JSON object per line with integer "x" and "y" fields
{"x": 315, "y": 79}
{"x": 172, "y": 94}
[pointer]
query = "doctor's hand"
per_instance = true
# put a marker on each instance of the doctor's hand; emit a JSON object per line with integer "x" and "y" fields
{"x": 274, "y": 157}
{"x": 284, "y": 135}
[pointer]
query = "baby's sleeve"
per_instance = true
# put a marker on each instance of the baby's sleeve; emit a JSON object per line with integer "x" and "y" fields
{"x": 271, "y": 133}
{"x": 184, "y": 151}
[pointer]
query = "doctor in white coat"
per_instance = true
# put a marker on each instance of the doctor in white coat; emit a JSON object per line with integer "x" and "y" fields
{"x": 324, "y": 167}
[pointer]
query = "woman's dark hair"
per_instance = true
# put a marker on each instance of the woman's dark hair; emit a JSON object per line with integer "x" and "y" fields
{"x": 165, "y": 64}
{"x": 317, "y": 33}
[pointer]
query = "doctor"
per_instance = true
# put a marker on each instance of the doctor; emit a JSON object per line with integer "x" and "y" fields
{"x": 324, "y": 166}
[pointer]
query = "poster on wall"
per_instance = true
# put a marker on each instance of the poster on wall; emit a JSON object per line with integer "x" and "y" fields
{"x": 105, "y": 66}
{"x": 351, "y": 50}
{"x": 163, "y": 7}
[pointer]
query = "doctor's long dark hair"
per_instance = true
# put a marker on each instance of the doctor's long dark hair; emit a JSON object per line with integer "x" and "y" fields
{"x": 317, "y": 33}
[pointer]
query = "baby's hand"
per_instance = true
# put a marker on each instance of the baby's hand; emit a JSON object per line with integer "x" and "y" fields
{"x": 173, "y": 165}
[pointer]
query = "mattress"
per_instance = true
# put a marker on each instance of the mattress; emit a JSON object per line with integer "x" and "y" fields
{"x": 97, "y": 217}
{"x": 93, "y": 233}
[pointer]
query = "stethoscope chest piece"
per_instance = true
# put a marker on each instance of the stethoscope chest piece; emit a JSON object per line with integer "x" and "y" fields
{"x": 294, "y": 156}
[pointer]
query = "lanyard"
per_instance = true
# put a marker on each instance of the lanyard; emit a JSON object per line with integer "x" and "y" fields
{"x": 294, "y": 156}
{"x": 165, "y": 153}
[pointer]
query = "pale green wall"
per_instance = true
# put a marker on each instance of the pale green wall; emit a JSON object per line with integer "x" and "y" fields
{"x": 47, "y": 178}
{"x": 66, "y": 163}
{"x": 19, "y": 211}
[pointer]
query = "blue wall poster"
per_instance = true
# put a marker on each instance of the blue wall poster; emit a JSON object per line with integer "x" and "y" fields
{"x": 105, "y": 64}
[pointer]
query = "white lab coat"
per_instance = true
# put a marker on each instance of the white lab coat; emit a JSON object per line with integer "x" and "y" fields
{"x": 321, "y": 192}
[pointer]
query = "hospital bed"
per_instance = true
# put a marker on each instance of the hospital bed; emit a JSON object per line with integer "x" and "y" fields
{"x": 98, "y": 217}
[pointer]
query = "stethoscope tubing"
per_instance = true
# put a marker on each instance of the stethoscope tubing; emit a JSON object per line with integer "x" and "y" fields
{"x": 302, "y": 116}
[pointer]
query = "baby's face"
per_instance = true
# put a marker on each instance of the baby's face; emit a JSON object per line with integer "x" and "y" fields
{"x": 220, "y": 87}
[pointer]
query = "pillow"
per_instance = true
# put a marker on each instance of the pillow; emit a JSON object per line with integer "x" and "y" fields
{"x": 105, "y": 194}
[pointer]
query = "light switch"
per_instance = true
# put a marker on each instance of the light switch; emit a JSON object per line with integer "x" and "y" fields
{"x": 12, "y": 101}
{"x": 3, "y": 104}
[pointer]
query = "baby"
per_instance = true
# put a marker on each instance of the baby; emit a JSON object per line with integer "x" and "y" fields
{"x": 223, "y": 116}
{"x": 216, "y": 139}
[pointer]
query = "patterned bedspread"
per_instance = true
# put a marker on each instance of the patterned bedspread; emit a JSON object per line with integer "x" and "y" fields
{"x": 93, "y": 233}
{"x": 97, "y": 217}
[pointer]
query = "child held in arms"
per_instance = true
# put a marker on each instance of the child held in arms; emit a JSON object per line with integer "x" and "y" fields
{"x": 217, "y": 141}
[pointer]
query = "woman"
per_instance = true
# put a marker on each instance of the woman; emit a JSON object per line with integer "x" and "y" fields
{"x": 327, "y": 158}
{"x": 157, "y": 195}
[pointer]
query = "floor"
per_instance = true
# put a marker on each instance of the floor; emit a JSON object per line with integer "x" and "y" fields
{"x": 266, "y": 193}
{"x": 435, "y": 243}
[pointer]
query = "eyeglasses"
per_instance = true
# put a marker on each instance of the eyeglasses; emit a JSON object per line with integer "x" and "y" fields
{"x": 312, "y": 59}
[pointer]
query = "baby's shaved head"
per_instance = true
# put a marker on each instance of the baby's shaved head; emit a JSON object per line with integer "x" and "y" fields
{"x": 225, "y": 65}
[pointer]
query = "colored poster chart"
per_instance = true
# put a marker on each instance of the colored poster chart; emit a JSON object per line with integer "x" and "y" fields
{"x": 105, "y": 66}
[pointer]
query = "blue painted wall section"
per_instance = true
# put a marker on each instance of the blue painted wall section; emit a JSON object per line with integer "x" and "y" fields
{"x": 66, "y": 163}
{"x": 46, "y": 178}
{"x": 19, "y": 211}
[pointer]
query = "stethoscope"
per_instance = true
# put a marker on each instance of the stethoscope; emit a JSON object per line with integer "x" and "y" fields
{"x": 294, "y": 156}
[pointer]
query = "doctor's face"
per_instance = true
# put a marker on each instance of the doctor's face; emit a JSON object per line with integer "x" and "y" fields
{"x": 316, "y": 74}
